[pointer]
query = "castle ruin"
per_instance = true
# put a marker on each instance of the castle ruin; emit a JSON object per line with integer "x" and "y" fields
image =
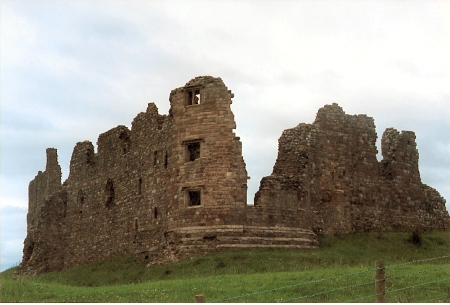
{"x": 175, "y": 186}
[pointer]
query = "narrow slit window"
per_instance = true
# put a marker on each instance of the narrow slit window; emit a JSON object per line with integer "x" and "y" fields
{"x": 109, "y": 192}
{"x": 194, "y": 198}
{"x": 139, "y": 190}
{"x": 166, "y": 157}
{"x": 155, "y": 212}
{"x": 135, "y": 229}
{"x": 155, "y": 158}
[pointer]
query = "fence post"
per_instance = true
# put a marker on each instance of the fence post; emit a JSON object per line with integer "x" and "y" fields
{"x": 200, "y": 298}
{"x": 380, "y": 282}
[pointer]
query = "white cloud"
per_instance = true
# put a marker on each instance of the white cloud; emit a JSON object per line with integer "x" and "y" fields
{"x": 14, "y": 202}
{"x": 18, "y": 38}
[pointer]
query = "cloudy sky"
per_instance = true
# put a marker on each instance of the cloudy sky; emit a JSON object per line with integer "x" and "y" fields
{"x": 71, "y": 70}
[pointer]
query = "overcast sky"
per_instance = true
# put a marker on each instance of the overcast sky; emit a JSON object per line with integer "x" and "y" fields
{"x": 71, "y": 70}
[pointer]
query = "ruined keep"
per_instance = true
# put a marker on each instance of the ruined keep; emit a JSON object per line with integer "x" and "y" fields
{"x": 175, "y": 186}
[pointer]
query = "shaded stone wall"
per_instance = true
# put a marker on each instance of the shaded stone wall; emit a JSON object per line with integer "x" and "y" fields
{"x": 146, "y": 187}
{"x": 175, "y": 186}
{"x": 341, "y": 187}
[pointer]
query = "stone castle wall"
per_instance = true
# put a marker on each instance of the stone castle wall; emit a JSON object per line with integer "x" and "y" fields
{"x": 329, "y": 171}
{"x": 176, "y": 185}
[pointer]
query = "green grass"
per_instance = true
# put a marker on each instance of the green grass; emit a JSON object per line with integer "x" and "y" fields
{"x": 266, "y": 275}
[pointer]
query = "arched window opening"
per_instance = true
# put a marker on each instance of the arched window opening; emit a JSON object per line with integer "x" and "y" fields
{"x": 109, "y": 192}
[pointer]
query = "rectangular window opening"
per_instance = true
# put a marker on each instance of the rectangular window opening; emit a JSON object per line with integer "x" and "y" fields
{"x": 194, "y": 198}
{"x": 193, "y": 151}
{"x": 193, "y": 97}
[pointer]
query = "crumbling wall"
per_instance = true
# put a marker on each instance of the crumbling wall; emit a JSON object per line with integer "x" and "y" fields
{"x": 130, "y": 195}
{"x": 175, "y": 185}
{"x": 44, "y": 213}
{"x": 331, "y": 164}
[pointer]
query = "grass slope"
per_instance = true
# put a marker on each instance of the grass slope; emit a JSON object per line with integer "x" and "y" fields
{"x": 265, "y": 275}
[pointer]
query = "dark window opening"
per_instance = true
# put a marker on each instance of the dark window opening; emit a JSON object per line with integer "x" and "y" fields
{"x": 193, "y": 151}
{"x": 155, "y": 157}
{"x": 193, "y": 97}
{"x": 80, "y": 200}
{"x": 194, "y": 198}
{"x": 166, "y": 157}
{"x": 109, "y": 192}
{"x": 155, "y": 212}
{"x": 140, "y": 186}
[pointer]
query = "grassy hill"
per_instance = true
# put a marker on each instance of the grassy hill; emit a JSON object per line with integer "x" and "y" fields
{"x": 340, "y": 271}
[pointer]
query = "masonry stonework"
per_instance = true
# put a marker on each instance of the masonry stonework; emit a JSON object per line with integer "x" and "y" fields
{"x": 175, "y": 186}
{"x": 329, "y": 170}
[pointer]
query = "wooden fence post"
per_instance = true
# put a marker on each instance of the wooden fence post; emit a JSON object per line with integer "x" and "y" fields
{"x": 200, "y": 298}
{"x": 380, "y": 282}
